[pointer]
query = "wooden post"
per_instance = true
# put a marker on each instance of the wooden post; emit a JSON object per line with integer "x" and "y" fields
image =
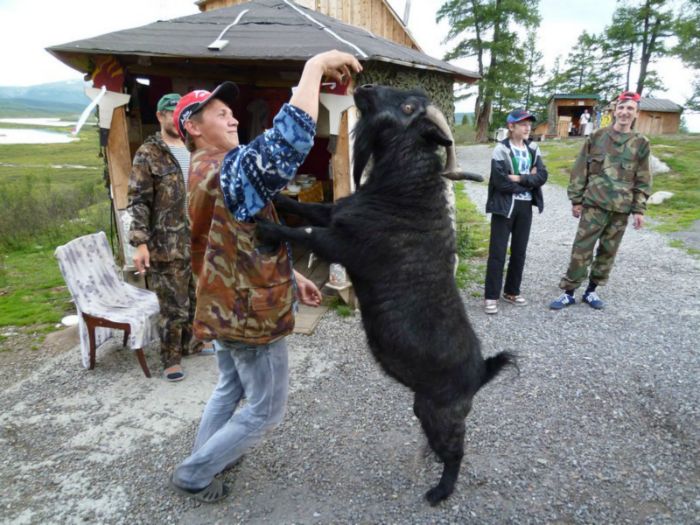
{"x": 340, "y": 161}
{"x": 119, "y": 163}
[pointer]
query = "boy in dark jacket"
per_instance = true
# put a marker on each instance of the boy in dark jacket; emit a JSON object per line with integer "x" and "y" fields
{"x": 517, "y": 174}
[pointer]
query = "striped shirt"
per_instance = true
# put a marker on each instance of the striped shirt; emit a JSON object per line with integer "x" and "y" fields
{"x": 183, "y": 159}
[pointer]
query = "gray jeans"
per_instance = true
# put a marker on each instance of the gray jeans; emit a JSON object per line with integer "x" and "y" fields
{"x": 261, "y": 374}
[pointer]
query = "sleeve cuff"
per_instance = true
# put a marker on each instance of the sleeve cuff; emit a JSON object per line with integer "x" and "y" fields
{"x": 296, "y": 127}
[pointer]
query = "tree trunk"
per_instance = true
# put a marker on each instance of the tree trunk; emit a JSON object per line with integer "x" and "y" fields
{"x": 482, "y": 122}
{"x": 630, "y": 59}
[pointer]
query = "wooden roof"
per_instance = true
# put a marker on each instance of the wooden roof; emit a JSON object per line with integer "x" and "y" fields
{"x": 267, "y": 32}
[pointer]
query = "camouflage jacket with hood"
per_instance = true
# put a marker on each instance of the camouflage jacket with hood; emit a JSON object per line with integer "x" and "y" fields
{"x": 157, "y": 202}
{"x": 612, "y": 172}
{"x": 245, "y": 294}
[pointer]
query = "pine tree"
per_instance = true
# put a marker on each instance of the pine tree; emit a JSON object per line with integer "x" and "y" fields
{"x": 687, "y": 28}
{"x": 486, "y": 29}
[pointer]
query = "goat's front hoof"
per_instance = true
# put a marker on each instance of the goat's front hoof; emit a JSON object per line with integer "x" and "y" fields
{"x": 437, "y": 494}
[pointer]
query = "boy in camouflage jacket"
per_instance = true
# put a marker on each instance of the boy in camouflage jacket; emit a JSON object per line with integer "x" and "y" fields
{"x": 609, "y": 181}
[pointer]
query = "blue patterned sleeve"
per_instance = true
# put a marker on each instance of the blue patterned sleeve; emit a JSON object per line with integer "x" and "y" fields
{"x": 251, "y": 175}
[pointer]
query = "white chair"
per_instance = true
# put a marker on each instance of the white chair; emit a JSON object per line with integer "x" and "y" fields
{"x": 104, "y": 302}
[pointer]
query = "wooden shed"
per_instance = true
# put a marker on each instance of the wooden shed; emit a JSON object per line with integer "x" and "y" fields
{"x": 564, "y": 111}
{"x": 262, "y": 46}
{"x": 658, "y": 116}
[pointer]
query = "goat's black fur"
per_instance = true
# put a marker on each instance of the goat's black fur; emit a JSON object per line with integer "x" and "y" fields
{"x": 395, "y": 238}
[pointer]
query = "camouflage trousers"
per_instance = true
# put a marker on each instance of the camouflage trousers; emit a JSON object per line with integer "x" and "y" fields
{"x": 174, "y": 285}
{"x": 596, "y": 225}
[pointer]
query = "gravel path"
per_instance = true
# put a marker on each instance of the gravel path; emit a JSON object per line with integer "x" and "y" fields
{"x": 601, "y": 425}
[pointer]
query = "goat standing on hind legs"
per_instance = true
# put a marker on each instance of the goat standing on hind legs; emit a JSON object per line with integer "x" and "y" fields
{"x": 395, "y": 238}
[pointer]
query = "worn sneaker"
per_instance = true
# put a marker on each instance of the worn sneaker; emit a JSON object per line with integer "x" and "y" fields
{"x": 517, "y": 300}
{"x": 562, "y": 301}
{"x": 491, "y": 306}
{"x": 592, "y": 299}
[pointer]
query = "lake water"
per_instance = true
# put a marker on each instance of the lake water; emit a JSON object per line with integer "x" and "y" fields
{"x": 54, "y": 122}
{"x": 33, "y": 136}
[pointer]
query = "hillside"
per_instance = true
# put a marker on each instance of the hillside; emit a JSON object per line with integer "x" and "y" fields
{"x": 52, "y": 99}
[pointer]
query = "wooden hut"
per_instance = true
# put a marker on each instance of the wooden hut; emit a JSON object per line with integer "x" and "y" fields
{"x": 658, "y": 116}
{"x": 564, "y": 111}
{"x": 262, "y": 46}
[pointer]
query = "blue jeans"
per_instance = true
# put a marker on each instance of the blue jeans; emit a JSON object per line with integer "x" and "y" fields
{"x": 261, "y": 374}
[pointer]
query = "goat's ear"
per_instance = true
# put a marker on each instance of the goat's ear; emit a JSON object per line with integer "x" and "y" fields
{"x": 434, "y": 134}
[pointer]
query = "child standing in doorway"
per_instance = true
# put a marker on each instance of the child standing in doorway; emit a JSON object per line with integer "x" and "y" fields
{"x": 515, "y": 186}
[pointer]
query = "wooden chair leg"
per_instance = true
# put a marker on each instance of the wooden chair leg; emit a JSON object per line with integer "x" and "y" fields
{"x": 91, "y": 337}
{"x": 127, "y": 332}
{"x": 142, "y": 362}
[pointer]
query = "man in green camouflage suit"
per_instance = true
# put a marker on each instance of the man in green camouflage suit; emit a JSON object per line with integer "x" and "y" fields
{"x": 161, "y": 234}
{"x": 609, "y": 181}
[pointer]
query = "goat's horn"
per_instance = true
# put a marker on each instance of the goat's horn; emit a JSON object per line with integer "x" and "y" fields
{"x": 450, "y": 172}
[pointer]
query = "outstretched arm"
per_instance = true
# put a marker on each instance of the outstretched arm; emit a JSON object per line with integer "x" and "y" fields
{"x": 334, "y": 64}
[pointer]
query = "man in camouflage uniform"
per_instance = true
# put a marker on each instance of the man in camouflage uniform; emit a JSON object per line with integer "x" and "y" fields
{"x": 161, "y": 234}
{"x": 609, "y": 181}
{"x": 245, "y": 290}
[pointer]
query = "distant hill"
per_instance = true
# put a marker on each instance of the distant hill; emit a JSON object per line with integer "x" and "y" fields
{"x": 52, "y": 99}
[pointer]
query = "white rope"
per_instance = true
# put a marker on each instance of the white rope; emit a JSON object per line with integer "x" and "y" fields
{"x": 240, "y": 15}
{"x": 329, "y": 31}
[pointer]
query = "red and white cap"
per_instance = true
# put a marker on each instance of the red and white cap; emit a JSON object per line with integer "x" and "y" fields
{"x": 195, "y": 101}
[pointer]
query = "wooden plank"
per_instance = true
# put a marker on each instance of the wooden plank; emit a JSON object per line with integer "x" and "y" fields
{"x": 340, "y": 162}
{"x": 307, "y": 318}
{"x": 119, "y": 158}
{"x": 356, "y": 14}
{"x": 119, "y": 164}
{"x": 377, "y": 21}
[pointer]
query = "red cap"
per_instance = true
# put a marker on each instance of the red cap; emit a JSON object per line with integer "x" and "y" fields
{"x": 629, "y": 95}
{"x": 195, "y": 101}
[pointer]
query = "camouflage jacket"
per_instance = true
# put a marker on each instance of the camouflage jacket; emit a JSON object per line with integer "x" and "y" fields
{"x": 157, "y": 202}
{"x": 242, "y": 294}
{"x": 612, "y": 172}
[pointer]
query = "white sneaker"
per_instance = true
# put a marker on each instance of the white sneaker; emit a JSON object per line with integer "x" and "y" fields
{"x": 491, "y": 306}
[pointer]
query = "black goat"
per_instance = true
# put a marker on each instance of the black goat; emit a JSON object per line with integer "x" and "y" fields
{"x": 395, "y": 238}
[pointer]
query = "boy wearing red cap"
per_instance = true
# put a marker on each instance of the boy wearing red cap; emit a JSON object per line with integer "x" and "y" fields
{"x": 245, "y": 291}
{"x": 609, "y": 181}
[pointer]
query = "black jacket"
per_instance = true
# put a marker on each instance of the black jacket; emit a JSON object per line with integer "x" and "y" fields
{"x": 501, "y": 188}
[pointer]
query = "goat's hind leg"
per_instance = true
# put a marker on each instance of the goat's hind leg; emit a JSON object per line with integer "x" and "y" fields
{"x": 444, "y": 428}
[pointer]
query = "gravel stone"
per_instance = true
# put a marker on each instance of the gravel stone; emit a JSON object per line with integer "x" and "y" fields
{"x": 599, "y": 426}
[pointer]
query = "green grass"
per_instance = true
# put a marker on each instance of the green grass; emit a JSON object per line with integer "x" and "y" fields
{"x": 41, "y": 207}
{"x": 680, "y": 152}
{"x": 32, "y": 290}
{"x": 472, "y": 240}
{"x": 342, "y": 309}
{"x": 464, "y": 135}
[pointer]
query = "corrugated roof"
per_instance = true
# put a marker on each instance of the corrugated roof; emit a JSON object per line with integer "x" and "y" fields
{"x": 659, "y": 104}
{"x": 269, "y": 30}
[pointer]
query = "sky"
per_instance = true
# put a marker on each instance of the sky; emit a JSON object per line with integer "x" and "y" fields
{"x": 25, "y": 35}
